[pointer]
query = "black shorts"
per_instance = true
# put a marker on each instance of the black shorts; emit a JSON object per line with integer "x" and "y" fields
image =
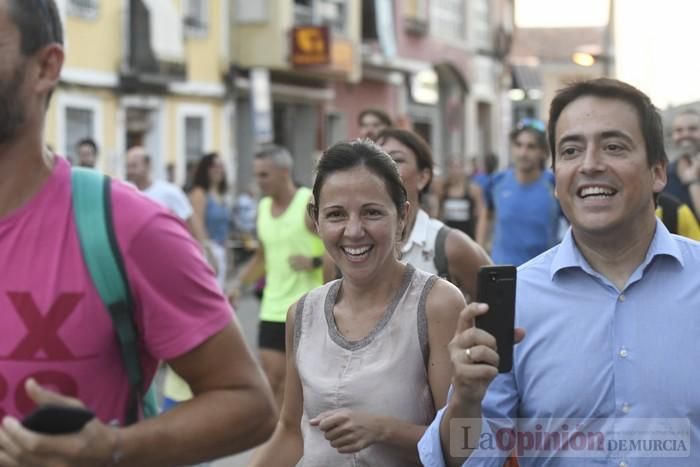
{"x": 272, "y": 336}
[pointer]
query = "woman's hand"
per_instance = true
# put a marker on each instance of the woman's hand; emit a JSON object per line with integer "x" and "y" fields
{"x": 349, "y": 431}
{"x": 95, "y": 445}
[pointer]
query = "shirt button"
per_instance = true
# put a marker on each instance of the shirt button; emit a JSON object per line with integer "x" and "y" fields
{"x": 623, "y": 352}
{"x": 621, "y": 297}
{"x": 625, "y": 408}
{"x": 623, "y": 464}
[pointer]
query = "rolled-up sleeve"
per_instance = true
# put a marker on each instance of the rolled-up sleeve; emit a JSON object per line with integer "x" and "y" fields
{"x": 499, "y": 408}
{"x": 430, "y": 448}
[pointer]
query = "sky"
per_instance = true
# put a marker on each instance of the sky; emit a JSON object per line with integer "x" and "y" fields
{"x": 561, "y": 13}
{"x": 656, "y": 42}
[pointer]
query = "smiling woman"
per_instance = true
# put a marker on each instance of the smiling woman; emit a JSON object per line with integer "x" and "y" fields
{"x": 361, "y": 210}
{"x": 384, "y": 321}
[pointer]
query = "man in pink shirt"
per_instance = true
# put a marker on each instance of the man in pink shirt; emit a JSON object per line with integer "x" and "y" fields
{"x": 57, "y": 342}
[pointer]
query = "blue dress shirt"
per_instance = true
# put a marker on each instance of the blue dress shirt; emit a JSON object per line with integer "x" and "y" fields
{"x": 592, "y": 351}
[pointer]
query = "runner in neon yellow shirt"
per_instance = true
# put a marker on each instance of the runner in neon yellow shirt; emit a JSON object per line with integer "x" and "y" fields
{"x": 290, "y": 256}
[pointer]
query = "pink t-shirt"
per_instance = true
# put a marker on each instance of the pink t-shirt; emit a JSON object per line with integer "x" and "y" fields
{"x": 53, "y": 325}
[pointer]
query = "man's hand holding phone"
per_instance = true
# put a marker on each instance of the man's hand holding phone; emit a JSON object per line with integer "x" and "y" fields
{"x": 473, "y": 355}
{"x": 475, "y": 360}
{"x": 95, "y": 444}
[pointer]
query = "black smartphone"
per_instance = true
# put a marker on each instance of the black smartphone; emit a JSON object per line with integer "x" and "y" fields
{"x": 57, "y": 419}
{"x": 496, "y": 287}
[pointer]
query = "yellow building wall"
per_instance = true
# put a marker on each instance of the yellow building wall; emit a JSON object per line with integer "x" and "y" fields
{"x": 170, "y": 138}
{"x": 95, "y": 44}
{"x": 216, "y": 129}
{"x": 264, "y": 44}
{"x": 202, "y": 53}
{"x": 173, "y": 138}
{"x": 110, "y": 137}
{"x": 106, "y": 134}
{"x": 267, "y": 44}
{"x": 51, "y": 125}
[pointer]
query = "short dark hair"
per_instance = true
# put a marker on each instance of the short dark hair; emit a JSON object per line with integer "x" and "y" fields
{"x": 649, "y": 117}
{"x": 201, "y": 174}
{"x": 88, "y": 142}
{"x": 419, "y": 147}
{"x": 380, "y": 114}
{"x": 359, "y": 153}
{"x": 540, "y": 137}
{"x": 38, "y": 22}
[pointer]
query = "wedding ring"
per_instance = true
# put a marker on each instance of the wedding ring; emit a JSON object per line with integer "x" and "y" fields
{"x": 469, "y": 353}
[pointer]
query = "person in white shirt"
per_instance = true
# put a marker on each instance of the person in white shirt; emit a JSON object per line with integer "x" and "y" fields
{"x": 138, "y": 172}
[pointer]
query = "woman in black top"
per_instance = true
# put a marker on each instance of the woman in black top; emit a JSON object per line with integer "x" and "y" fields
{"x": 462, "y": 201}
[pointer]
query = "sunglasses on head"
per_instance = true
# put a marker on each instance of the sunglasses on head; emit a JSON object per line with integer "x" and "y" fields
{"x": 531, "y": 123}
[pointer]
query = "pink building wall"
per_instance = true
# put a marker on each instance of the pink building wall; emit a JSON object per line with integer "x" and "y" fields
{"x": 427, "y": 48}
{"x": 351, "y": 99}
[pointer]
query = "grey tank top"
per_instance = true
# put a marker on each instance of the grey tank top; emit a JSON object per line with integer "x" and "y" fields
{"x": 383, "y": 373}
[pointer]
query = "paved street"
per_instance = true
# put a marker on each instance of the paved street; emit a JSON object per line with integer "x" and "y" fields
{"x": 247, "y": 314}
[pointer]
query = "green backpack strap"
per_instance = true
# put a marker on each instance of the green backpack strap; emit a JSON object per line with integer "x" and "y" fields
{"x": 92, "y": 208}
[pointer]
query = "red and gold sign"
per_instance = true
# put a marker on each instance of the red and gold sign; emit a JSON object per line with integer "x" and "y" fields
{"x": 311, "y": 45}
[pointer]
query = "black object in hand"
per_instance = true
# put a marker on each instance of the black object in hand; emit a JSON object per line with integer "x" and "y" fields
{"x": 57, "y": 419}
{"x": 496, "y": 287}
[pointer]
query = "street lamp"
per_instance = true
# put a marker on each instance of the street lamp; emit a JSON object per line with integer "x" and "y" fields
{"x": 603, "y": 53}
{"x": 583, "y": 58}
{"x": 590, "y": 54}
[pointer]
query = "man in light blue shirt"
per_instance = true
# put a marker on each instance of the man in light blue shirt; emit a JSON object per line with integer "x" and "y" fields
{"x": 612, "y": 314}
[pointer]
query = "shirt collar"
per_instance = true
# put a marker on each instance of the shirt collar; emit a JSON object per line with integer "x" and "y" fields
{"x": 419, "y": 234}
{"x": 569, "y": 256}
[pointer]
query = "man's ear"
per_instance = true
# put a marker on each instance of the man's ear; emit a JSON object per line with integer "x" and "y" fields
{"x": 659, "y": 176}
{"x": 50, "y": 62}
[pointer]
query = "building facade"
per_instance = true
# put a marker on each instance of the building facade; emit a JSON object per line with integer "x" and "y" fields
{"x": 184, "y": 77}
{"x": 286, "y": 55}
{"x": 144, "y": 72}
{"x": 437, "y": 67}
{"x": 543, "y": 62}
